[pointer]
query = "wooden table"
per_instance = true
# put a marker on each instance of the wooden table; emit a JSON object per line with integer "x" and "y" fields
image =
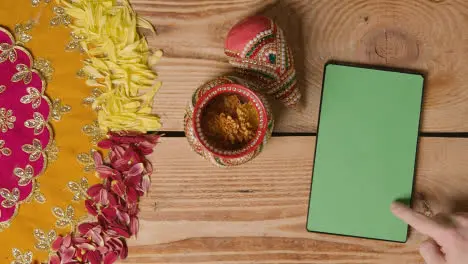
{"x": 196, "y": 213}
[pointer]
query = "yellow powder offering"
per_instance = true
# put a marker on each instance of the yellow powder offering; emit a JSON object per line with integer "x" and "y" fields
{"x": 229, "y": 123}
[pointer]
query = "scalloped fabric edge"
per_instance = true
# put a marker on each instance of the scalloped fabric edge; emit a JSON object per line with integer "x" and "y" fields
{"x": 34, "y": 95}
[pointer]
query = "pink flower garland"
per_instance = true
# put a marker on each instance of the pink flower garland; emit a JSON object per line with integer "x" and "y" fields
{"x": 114, "y": 202}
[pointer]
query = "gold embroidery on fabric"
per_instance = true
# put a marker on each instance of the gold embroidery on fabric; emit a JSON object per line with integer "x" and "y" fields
{"x": 45, "y": 68}
{"x": 38, "y": 123}
{"x": 21, "y": 258}
{"x": 2, "y": 88}
{"x": 34, "y": 150}
{"x": 74, "y": 43}
{"x": 37, "y": 195}
{"x": 44, "y": 241}
{"x": 4, "y": 226}
{"x": 81, "y": 74}
{"x": 64, "y": 217}
{"x": 22, "y": 32}
{"x": 58, "y": 109}
{"x": 33, "y": 97}
{"x": 37, "y": 2}
{"x": 4, "y": 150}
{"x": 11, "y": 198}
{"x": 95, "y": 93}
{"x": 87, "y": 161}
{"x": 7, "y": 119}
{"x": 79, "y": 189}
{"x": 25, "y": 175}
{"x": 94, "y": 132}
{"x": 60, "y": 17}
{"x": 52, "y": 151}
{"x": 24, "y": 73}
{"x": 8, "y": 52}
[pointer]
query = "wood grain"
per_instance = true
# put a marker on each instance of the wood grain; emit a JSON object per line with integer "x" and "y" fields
{"x": 196, "y": 213}
{"x": 426, "y": 35}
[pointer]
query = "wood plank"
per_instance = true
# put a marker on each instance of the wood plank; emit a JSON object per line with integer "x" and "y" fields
{"x": 426, "y": 35}
{"x": 197, "y": 213}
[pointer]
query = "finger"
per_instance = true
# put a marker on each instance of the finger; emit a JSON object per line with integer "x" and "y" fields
{"x": 420, "y": 222}
{"x": 461, "y": 219}
{"x": 431, "y": 253}
{"x": 445, "y": 220}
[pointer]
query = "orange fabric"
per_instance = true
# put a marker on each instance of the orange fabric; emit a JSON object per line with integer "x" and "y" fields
{"x": 49, "y": 42}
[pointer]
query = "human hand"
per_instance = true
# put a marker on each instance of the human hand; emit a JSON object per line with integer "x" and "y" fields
{"x": 448, "y": 240}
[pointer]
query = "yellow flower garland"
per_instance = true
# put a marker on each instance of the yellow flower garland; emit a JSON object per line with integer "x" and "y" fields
{"x": 117, "y": 63}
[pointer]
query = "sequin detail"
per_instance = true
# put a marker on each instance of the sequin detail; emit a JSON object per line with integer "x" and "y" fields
{"x": 4, "y": 150}
{"x": 65, "y": 217}
{"x": 87, "y": 161}
{"x": 36, "y": 3}
{"x": 45, "y": 68}
{"x": 7, "y": 119}
{"x": 24, "y": 74}
{"x": 60, "y": 18}
{"x": 22, "y": 32}
{"x": 4, "y": 226}
{"x": 37, "y": 195}
{"x": 52, "y": 151}
{"x": 79, "y": 189}
{"x": 34, "y": 150}
{"x": 38, "y": 123}
{"x": 22, "y": 258}
{"x": 11, "y": 197}
{"x": 8, "y": 52}
{"x": 25, "y": 175}
{"x": 33, "y": 97}
{"x": 94, "y": 132}
{"x": 74, "y": 43}
{"x": 95, "y": 93}
{"x": 44, "y": 240}
{"x": 58, "y": 109}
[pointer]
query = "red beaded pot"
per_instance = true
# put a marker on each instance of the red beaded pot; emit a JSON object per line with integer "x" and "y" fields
{"x": 202, "y": 97}
{"x": 257, "y": 48}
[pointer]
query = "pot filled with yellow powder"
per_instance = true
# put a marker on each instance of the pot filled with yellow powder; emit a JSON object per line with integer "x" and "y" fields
{"x": 227, "y": 122}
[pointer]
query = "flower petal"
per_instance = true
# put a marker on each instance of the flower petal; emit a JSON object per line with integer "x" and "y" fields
{"x": 91, "y": 208}
{"x": 124, "y": 251}
{"x": 123, "y": 217}
{"x": 132, "y": 195}
{"x": 67, "y": 241}
{"x": 134, "y": 226}
{"x": 135, "y": 170}
{"x": 67, "y": 254}
{"x": 86, "y": 246}
{"x": 57, "y": 243}
{"x": 109, "y": 213}
{"x": 103, "y": 197}
{"x": 107, "y": 172}
{"x": 85, "y": 227}
{"x": 145, "y": 183}
{"x": 97, "y": 158}
{"x": 94, "y": 190}
{"x": 110, "y": 258}
{"x": 54, "y": 260}
{"x": 118, "y": 188}
{"x": 120, "y": 231}
{"x": 94, "y": 257}
{"x": 105, "y": 144}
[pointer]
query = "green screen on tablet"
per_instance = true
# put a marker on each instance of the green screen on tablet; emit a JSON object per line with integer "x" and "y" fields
{"x": 366, "y": 151}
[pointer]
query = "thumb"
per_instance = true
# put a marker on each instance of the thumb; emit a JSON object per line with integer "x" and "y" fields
{"x": 431, "y": 253}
